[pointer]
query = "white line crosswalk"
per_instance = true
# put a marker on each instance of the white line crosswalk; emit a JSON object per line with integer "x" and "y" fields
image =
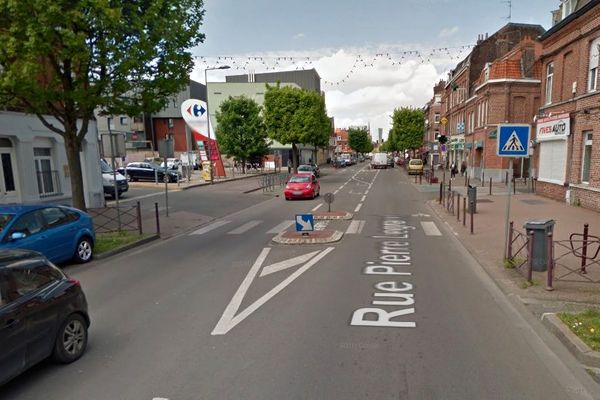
{"x": 245, "y": 228}
{"x": 280, "y": 228}
{"x": 208, "y": 228}
{"x": 430, "y": 228}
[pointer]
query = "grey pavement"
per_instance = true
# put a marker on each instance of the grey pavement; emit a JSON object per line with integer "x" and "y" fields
{"x": 396, "y": 310}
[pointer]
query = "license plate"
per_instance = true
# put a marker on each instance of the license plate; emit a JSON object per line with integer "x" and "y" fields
{"x": 297, "y": 193}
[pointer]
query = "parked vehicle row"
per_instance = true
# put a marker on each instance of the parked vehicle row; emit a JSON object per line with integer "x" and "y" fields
{"x": 108, "y": 180}
{"x": 138, "y": 171}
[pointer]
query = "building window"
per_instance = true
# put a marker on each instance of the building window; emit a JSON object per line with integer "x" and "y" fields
{"x": 110, "y": 122}
{"x": 485, "y": 113}
{"x": 549, "y": 75}
{"x": 47, "y": 178}
{"x": 438, "y": 98}
{"x": 436, "y": 118}
{"x": 593, "y": 69}
{"x": 124, "y": 120}
{"x": 568, "y": 6}
{"x": 587, "y": 156}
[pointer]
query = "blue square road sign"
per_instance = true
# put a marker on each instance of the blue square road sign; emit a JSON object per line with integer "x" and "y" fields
{"x": 513, "y": 140}
{"x": 305, "y": 223}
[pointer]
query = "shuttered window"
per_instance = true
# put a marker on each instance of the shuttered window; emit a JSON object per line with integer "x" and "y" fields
{"x": 553, "y": 161}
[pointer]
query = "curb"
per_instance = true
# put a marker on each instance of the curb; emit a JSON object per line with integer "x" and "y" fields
{"x": 576, "y": 346}
{"x": 326, "y": 216}
{"x": 126, "y": 247}
{"x": 335, "y": 237}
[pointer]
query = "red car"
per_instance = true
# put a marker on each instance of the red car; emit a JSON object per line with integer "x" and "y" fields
{"x": 302, "y": 186}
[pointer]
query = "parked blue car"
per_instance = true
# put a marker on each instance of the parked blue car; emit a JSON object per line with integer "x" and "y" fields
{"x": 60, "y": 233}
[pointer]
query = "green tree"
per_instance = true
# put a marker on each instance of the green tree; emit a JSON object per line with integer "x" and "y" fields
{"x": 408, "y": 128}
{"x": 241, "y": 131}
{"x": 61, "y": 60}
{"x": 295, "y": 116}
{"x": 360, "y": 140}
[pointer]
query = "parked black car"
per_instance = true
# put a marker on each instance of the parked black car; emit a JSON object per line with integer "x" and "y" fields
{"x": 146, "y": 171}
{"x": 43, "y": 313}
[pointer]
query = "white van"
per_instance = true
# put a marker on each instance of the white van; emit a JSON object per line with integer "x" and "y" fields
{"x": 379, "y": 160}
{"x": 108, "y": 181}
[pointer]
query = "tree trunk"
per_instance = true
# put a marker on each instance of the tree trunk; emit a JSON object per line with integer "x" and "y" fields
{"x": 73, "y": 149}
{"x": 295, "y": 158}
{"x": 243, "y": 165}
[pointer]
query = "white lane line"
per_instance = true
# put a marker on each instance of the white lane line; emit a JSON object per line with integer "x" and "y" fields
{"x": 317, "y": 207}
{"x": 226, "y": 324}
{"x": 358, "y": 207}
{"x": 363, "y": 198}
{"x": 285, "y": 264}
{"x": 244, "y": 228}
{"x": 355, "y": 227}
{"x": 341, "y": 187}
{"x": 367, "y": 191}
{"x": 227, "y": 317}
{"x": 210, "y": 227}
{"x": 430, "y": 228}
{"x": 336, "y": 192}
{"x": 281, "y": 227}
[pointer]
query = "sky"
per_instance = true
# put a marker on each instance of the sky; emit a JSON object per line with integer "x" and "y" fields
{"x": 373, "y": 56}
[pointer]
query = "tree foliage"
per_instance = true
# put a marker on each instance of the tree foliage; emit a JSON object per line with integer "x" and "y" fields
{"x": 241, "y": 131}
{"x": 359, "y": 140}
{"x": 295, "y": 116}
{"x": 408, "y": 128}
{"x": 61, "y": 60}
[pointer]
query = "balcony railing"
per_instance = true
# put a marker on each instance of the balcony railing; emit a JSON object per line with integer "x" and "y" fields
{"x": 48, "y": 184}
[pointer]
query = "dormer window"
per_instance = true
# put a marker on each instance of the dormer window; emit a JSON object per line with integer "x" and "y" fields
{"x": 568, "y": 6}
{"x": 486, "y": 72}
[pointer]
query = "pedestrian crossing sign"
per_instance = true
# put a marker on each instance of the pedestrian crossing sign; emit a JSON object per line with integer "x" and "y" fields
{"x": 513, "y": 140}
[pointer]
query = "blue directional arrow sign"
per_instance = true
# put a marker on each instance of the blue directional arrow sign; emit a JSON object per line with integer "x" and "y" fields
{"x": 305, "y": 223}
{"x": 513, "y": 140}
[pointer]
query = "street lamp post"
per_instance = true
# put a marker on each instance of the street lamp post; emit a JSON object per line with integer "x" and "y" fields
{"x": 208, "y": 153}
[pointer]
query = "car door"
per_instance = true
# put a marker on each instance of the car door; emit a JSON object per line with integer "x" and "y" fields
{"x": 30, "y": 224}
{"x": 316, "y": 186}
{"x": 59, "y": 234}
{"x": 35, "y": 285}
{"x": 13, "y": 341}
{"x": 146, "y": 172}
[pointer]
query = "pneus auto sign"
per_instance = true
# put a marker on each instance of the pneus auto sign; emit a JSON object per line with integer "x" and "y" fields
{"x": 553, "y": 128}
{"x": 393, "y": 303}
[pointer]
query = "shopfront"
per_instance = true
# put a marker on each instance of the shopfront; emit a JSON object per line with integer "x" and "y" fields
{"x": 552, "y": 145}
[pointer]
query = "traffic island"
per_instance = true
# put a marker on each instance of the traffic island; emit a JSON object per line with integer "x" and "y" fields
{"x": 314, "y": 237}
{"x": 333, "y": 215}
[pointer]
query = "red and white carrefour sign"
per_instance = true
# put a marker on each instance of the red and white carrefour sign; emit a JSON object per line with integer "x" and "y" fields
{"x": 553, "y": 128}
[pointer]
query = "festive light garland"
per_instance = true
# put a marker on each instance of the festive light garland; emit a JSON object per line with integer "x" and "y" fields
{"x": 273, "y": 63}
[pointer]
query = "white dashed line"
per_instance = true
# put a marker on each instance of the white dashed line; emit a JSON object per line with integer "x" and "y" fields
{"x": 317, "y": 207}
{"x": 430, "y": 228}
{"x": 210, "y": 227}
{"x": 358, "y": 207}
{"x": 355, "y": 227}
{"x": 244, "y": 228}
{"x": 281, "y": 227}
{"x": 363, "y": 198}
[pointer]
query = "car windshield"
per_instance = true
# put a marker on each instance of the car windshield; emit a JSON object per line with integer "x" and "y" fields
{"x": 105, "y": 168}
{"x": 4, "y": 220}
{"x": 155, "y": 166}
{"x": 305, "y": 168}
{"x": 300, "y": 179}
{"x": 416, "y": 162}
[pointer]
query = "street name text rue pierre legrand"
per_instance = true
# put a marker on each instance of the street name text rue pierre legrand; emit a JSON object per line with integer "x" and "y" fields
{"x": 395, "y": 296}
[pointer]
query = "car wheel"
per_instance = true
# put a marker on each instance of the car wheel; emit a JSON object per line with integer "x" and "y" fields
{"x": 71, "y": 340}
{"x": 84, "y": 250}
{"x": 129, "y": 178}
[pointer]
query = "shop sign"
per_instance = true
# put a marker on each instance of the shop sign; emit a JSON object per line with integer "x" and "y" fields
{"x": 553, "y": 128}
{"x": 493, "y": 134}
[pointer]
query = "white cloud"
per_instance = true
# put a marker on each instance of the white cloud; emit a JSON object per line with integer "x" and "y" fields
{"x": 298, "y": 36}
{"x": 447, "y": 32}
{"x": 383, "y": 79}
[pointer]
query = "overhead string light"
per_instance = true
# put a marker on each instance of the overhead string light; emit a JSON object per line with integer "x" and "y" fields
{"x": 361, "y": 61}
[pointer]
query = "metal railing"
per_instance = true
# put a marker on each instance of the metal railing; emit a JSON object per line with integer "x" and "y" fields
{"x": 48, "y": 184}
{"x": 268, "y": 182}
{"x": 519, "y": 252}
{"x": 113, "y": 219}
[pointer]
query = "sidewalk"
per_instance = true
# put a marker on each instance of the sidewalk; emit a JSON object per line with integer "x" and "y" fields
{"x": 487, "y": 242}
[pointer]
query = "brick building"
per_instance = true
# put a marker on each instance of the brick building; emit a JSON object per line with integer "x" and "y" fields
{"x": 498, "y": 82}
{"x": 433, "y": 116}
{"x": 569, "y": 161}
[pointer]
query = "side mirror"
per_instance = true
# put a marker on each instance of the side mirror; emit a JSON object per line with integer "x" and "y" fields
{"x": 17, "y": 236}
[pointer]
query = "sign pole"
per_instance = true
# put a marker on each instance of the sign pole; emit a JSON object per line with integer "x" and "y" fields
{"x": 507, "y": 220}
{"x": 112, "y": 157}
{"x": 166, "y": 179}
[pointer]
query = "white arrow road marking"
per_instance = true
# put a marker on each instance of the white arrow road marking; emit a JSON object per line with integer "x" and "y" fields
{"x": 210, "y": 227}
{"x": 229, "y": 320}
{"x": 355, "y": 226}
{"x": 306, "y": 226}
{"x": 321, "y": 225}
{"x": 421, "y": 215}
{"x": 281, "y": 227}
{"x": 430, "y": 228}
{"x": 285, "y": 264}
{"x": 244, "y": 228}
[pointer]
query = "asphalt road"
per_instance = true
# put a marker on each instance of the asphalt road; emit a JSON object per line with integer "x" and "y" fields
{"x": 396, "y": 310}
